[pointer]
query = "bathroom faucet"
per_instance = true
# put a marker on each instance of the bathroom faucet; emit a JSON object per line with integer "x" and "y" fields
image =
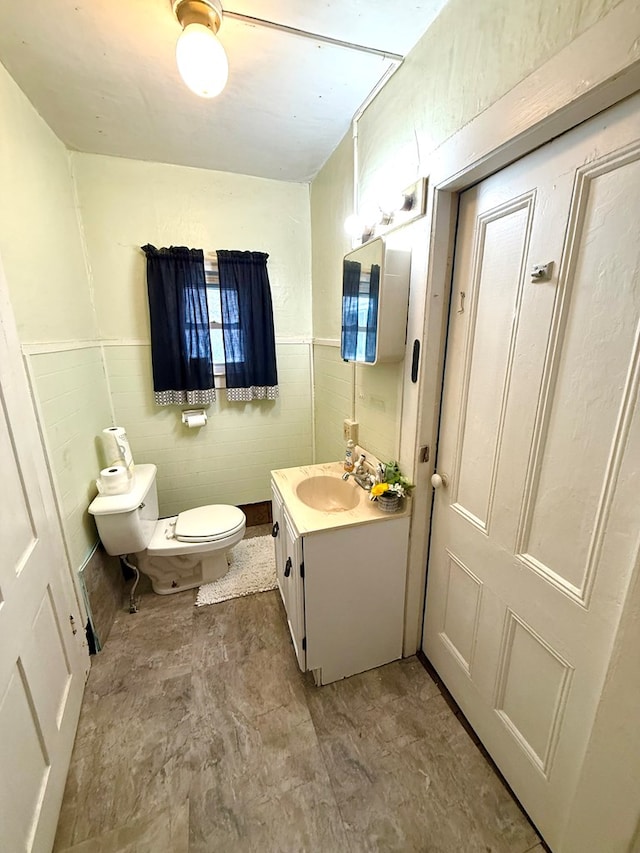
{"x": 364, "y": 480}
{"x": 360, "y": 474}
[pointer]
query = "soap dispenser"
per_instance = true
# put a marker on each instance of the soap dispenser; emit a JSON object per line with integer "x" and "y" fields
{"x": 348, "y": 457}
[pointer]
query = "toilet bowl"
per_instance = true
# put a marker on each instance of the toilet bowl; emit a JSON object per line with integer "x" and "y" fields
{"x": 177, "y": 553}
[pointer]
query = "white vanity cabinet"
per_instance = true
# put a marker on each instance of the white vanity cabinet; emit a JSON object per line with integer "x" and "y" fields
{"x": 343, "y": 590}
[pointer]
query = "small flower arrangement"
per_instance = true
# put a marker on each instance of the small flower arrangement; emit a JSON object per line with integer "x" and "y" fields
{"x": 391, "y": 482}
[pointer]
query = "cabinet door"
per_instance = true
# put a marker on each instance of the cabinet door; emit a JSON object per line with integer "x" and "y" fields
{"x": 294, "y": 589}
{"x": 278, "y": 538}
{"x": 354, "y": 597}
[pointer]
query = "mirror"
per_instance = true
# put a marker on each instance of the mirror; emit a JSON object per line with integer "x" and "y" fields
{"x": 375, "y": 298}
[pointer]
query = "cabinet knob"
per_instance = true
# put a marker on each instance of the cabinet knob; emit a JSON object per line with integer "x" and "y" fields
{"x": 439, "y": 480}
{"x": 275, "y": 529}
{"x": 287, "y": 568}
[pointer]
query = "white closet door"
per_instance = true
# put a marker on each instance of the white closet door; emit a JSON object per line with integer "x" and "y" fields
{"x": 536, "y": 529}
{"x": 42, "y": 661}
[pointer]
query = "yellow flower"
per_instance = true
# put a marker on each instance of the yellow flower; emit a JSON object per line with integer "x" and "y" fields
{"x": 379, "y": 489}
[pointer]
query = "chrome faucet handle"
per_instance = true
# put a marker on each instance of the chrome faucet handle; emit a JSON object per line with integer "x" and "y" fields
{"x": 364, "y": 480}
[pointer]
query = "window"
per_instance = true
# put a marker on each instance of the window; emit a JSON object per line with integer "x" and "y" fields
{"x": 214, "y": 305}
{"x": 210, "y": 318}
{"x": 215, "y": 314}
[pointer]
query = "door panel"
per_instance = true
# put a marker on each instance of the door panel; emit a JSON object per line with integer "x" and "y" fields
{"x": 294, "y": 590}
{"x": 502, "y": 241}
{"x": 592, "y": 386}
{"x": 462, "y": 599}
{"x": 24, "y": 752}
{"x": 43, "y": 658}
{"x": 17, "y": 536}
{"x": 278, "y": 539}
{"x": 536, "y": 533}
{"x": 531, "y": 689}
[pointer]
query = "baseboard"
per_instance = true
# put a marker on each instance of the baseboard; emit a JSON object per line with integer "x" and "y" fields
{"x": 258, "y": 513}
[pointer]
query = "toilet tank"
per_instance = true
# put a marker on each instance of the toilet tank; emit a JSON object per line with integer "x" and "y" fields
{"x": 126, "y": 522}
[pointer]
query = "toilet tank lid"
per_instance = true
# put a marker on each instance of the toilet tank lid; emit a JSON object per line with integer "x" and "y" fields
{"x": 143, "y": 476}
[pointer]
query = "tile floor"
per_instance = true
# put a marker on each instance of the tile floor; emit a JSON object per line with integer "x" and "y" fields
{"x": 199, "y": 734}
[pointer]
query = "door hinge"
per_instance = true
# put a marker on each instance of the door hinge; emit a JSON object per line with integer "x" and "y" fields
{"x": 304, "y": 644}
{"x": 302, "y": 569}
{"x": 72, "y": 622}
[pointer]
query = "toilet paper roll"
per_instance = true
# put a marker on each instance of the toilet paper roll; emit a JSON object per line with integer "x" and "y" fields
{"x": 194, "y": 419}
{"x": 116, "y": 448}
{"x": 113, "y": 480}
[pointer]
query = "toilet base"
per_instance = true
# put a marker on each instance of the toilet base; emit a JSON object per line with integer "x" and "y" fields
{"x": 177, "y": 573}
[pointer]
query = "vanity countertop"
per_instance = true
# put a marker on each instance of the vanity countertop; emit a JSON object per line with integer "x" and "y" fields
{"x": 309, "y": 520}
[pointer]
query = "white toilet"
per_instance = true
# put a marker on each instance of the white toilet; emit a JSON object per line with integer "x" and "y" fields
{"x": 176, "y": 553}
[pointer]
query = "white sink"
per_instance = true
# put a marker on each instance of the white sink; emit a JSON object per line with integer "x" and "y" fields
{"x": 317, "y": 498}
{"x": 328, "y": 494}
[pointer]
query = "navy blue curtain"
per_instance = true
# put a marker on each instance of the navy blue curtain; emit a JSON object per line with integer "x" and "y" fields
{"x": 372, "y": 315}
{"x": 247, "y": 326}
{"x": 350, "y": 296}
{"x": 180, "y": 336}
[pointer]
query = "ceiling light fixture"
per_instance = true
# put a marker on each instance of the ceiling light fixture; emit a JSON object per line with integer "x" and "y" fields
{"x": 200, "y": 57}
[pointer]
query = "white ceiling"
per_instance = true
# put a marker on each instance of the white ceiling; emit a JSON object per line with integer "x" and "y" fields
{"x": 102, "y": 74}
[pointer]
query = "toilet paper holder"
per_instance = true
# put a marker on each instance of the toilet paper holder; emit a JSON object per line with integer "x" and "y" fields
{"x": 194, "y": 418}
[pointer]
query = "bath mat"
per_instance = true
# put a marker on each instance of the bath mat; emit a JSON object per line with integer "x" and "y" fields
{"x": 253, "y": 569}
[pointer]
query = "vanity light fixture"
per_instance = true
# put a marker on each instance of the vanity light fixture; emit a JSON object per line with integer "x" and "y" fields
{"x": 395, "y": 210}
{"x": 357, "y": 228}
{"x": 200, "y": 57}
{"x": 398, "y": 202}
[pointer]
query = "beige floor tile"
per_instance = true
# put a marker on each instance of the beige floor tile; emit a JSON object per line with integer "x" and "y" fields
{"x": 164, "y": 832}
{"x": 199, "y": 734}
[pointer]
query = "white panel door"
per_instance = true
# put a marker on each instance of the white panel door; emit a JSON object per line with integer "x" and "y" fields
{"x": 536, "y": 528}
{"x": 43, "y": 663}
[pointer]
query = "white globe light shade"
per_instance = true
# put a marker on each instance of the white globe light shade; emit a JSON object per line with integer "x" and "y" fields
{"x": 201, "y": 61}
{"x": 354, "y": 225}
{"x": 391, "y": 200}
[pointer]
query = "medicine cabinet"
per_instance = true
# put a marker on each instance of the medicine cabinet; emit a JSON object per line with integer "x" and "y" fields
{"x": 375, "y": 300}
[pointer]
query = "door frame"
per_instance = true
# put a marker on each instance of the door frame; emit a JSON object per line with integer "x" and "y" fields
{"x": 604, "y": 68}
{"x": 597, "y": 70}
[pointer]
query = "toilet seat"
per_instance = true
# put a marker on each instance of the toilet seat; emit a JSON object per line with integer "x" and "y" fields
{"x": 164, "y": 542}
{"x": 209, "y": 523}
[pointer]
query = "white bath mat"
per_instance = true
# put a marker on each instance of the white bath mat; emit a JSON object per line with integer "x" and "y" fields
{"x": 253, "y": 569}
